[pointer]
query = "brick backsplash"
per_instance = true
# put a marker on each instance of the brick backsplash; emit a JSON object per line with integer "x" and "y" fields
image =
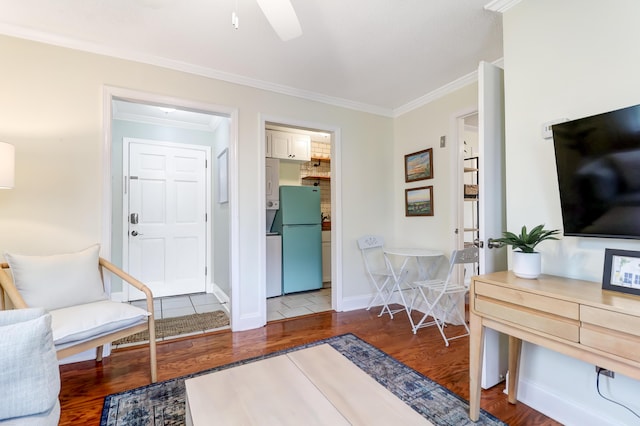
{"x": 319, "y": 168}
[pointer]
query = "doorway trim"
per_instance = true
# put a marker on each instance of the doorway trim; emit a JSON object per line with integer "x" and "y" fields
{"x": 336, "y": 206}
{"x": 457, "y": 175}
{"x": 109, "y": 94}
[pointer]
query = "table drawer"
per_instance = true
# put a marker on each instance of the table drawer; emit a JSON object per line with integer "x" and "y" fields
{"x": 606, "y": 340}
{"x": 613, "y": 332}
{"x": 604, "y": 318}
{"x": 528, "y": 300}
{"x": 525, "y": 318}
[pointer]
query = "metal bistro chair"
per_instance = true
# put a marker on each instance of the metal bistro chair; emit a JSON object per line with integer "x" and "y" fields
{"x": 378, "y": 270}
{"x": 442, "y": 296}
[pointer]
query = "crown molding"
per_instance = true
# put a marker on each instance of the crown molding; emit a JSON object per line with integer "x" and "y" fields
{"x": 47, "y": 38}
{"x": 463, "y": 81}
{"x": 66, "y": 42}
{"x": 436, "y": 94}
{"x": 501, "y": 6}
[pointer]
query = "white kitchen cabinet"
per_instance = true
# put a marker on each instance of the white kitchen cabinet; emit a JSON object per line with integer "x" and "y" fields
{"x": 300, "y": 147}
{"x": 288, "y": 146}
{"x": 326, "y": 256}
{"x": 272, "y": 179}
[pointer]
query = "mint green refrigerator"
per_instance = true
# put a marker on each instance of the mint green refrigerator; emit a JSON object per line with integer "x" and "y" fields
{"x": 299, "y": 222}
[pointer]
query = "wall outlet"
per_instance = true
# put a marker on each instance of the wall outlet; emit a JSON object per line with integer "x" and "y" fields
{"x": 547, "y": 133}
{"x": 605, "y": 372}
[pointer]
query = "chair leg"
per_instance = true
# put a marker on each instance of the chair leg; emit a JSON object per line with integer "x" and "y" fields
{"x": 152, "y": 350}
{"x": 379, "y": 294}
{"x": 99, "y": 351}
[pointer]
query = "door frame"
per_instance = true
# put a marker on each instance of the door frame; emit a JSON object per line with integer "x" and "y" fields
{"x": 336, "y": 209}
{"x": 109, "y": 94}
{"x": 457, "y": 159}
{"x": 125, "y": 202}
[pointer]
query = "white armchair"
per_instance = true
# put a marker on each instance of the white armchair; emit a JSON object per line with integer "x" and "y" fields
{"x": 70, "y": 288}
{"x": 29, "y": 374}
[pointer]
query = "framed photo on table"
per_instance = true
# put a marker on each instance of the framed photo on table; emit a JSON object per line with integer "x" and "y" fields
{"x": 621, "y": 271}
{"x": 418, "y": 165}
{"x": 418, "y": 201}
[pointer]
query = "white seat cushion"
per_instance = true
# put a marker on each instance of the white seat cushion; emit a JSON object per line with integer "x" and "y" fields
{"x": 76, "y": 323}
{"x": 60, "y": 280}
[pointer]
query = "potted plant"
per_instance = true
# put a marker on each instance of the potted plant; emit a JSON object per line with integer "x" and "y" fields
{"x": 526, "y": 261}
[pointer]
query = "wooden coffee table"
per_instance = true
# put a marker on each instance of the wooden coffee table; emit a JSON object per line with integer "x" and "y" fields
{"x": 313, "y": 386}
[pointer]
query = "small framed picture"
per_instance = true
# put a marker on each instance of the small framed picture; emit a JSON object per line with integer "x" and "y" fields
{"x": 418, "y": 201}
{"x": 621, "y": 271}
{"x": 418, "y": 165}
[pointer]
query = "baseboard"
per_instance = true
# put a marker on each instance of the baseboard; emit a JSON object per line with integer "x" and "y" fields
{"x": 355, "y": 302}
{"x": 559, "y": 407}
{"x": 222, "y": 297}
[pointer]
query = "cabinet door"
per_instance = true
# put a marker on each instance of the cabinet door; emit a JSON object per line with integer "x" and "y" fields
{"x": 300, "y": 148}
{"x": 280, "y": 145}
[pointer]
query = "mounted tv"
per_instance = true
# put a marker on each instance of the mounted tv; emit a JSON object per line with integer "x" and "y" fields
{"x": 598, "y": 165}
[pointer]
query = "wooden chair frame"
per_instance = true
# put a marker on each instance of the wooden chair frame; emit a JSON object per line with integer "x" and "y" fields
{"x": 9, "y": 293}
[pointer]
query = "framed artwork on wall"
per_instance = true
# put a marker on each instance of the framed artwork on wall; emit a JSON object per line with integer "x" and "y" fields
{"x": 418, "y": 165}
{"x": 621, "y": 271}
{"x": 418, "y": 201}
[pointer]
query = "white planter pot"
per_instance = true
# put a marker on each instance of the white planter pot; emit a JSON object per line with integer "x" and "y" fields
{"x": 527, "y": 265}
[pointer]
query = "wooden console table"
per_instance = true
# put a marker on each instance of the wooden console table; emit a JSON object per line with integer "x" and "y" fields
{"x": 573, "y": 317}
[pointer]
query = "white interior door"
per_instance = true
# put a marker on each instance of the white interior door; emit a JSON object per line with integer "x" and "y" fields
{"x": 491, "y": 215}
{"x": 167, "y": 214}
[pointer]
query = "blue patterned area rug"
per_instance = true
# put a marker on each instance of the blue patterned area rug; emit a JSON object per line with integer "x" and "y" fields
{"x": 163, "y": 403}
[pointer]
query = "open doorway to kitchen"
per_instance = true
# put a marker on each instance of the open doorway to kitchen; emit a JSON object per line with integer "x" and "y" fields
{"x": 298, "y": 226}
{"x": 162, "y": 173}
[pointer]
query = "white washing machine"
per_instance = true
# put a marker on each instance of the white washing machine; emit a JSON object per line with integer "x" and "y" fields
{"x": 274, "y": 264}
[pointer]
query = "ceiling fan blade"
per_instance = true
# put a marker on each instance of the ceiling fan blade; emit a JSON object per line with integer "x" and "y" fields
{"x": 282, "y": 18}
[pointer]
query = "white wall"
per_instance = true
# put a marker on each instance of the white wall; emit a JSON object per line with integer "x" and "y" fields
{"x": 421, "y": 129}
{"x": 565, "y": 59}
{"x": 221, "y": 222}
{"x": 51, "y": 110}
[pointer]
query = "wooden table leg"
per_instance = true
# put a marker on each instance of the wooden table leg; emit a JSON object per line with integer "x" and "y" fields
{"x": 515, "y": 346}
{"x": 476, "y": 349}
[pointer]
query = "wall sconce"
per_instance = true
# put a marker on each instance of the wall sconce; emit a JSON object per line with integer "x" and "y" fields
{"x": 7, "y": 165}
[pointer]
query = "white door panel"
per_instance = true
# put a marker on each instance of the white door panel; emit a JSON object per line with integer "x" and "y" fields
{"x": 492, "y": 216}
{"x": 167, "y": 247}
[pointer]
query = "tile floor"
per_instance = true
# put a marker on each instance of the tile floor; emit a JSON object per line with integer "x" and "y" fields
{"x": 293, "y": 305}
{"x": 287, "y": 306}
{"x": 177, "y": 306}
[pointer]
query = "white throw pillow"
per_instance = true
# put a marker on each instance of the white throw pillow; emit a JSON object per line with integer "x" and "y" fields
{"x": 29, "y": 376}
{"x": 77, "y": 323}
{"x": 58, "y": 281}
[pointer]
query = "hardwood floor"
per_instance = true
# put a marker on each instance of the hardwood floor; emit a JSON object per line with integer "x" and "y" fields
{"x": 85, "y": 384}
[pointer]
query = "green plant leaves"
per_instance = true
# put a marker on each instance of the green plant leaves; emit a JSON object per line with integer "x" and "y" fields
{"x": 526, "y": 242}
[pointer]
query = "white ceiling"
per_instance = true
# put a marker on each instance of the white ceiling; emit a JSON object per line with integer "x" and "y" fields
{"x": 373, "y": 55}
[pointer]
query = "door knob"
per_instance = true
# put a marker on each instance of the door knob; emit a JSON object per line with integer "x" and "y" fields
{"x": 135, "y": 233}
{"x": 494, "y": 244}
{"x": 478, "y": 243}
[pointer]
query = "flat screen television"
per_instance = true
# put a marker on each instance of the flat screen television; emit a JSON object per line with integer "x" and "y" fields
{"x": 598, "y": 165}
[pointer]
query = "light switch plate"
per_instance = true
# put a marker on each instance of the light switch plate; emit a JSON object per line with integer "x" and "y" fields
{"x": 546, "y": 127}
